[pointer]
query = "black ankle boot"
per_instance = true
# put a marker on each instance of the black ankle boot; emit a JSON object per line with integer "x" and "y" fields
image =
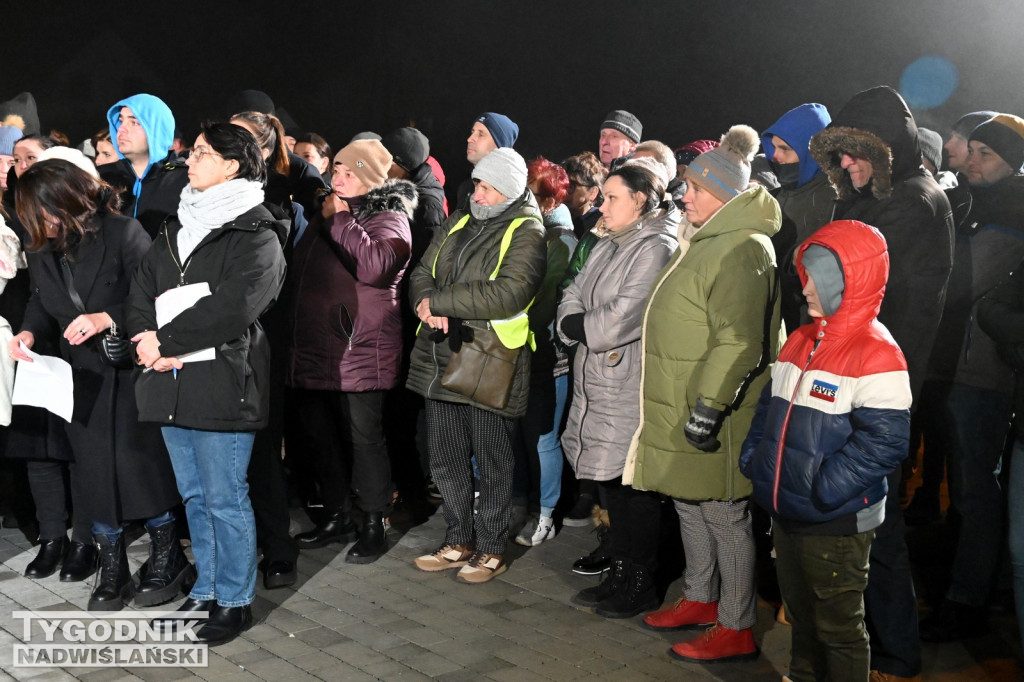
{"x": 186, "y": 612}
{"x": 614, "y": 581}
{"x": 373, "y": 540}
{"x": 638, "y": 595}
{"x": 226, "y": 623}
{"x": 337, "y": 527}
{"x": 114, "y": 587}
{"x": 167, "y": 571}
{"x": 51, "y": 553}
{"x": 79, "y": 562}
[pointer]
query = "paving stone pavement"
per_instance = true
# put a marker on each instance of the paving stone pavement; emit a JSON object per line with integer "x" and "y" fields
{"x": 389, "y": 621}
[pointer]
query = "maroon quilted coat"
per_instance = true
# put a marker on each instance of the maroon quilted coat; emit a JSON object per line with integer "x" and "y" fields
{"x": 344, "y": 309}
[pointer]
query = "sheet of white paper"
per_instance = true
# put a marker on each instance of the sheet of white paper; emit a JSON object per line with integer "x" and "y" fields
{"x": 45, "y": 382}
{"x": 173, "y": 302}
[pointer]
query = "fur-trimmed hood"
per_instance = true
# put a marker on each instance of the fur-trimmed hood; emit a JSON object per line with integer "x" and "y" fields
{"x": 877, "y": 126}
{"x": 397, "y": 196}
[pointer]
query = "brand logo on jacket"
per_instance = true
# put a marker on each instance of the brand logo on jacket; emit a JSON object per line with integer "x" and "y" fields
{"x": 824, "y": 391}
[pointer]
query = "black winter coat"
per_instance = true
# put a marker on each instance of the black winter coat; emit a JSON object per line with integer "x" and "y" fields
{"x": 906, "y": 204}
{"x": 123, "y": 463}
{"x": 161, "y": 190}
{"x": 244, "y": 266}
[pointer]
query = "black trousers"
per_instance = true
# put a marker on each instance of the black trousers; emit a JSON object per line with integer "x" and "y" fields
{"x": 350, "y": 456}
{"x": 49, "y": 481}
{"x": 635, "y": 517}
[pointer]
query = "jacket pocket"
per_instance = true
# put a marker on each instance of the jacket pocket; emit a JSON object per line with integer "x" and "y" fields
{"x": 616, "y": 364}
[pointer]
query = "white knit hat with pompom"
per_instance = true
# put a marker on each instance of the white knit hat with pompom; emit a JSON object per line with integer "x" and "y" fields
{"x": 725, "y": 170}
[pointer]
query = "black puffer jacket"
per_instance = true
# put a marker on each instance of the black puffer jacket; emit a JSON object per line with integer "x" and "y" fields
{"x": 243, "y": 263}
{"x": 160, "y": 194}
{"x": 906, "y": 204}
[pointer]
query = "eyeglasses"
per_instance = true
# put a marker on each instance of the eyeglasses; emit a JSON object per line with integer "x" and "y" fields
{"x": 199, "y": 152}
{"x": 573, "y": 185}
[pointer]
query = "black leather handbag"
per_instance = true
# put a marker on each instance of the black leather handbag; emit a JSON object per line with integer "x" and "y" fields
{"x": 115, "y": 350}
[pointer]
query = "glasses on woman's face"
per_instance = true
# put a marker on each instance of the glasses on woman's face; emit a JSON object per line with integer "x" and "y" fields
{"x": 199, "y": 152}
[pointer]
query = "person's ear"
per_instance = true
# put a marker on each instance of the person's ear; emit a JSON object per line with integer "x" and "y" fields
{"x": 231, "y": 168}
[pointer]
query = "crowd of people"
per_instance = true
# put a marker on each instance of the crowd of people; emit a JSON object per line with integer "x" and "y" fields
{"x": 754, "y": 343}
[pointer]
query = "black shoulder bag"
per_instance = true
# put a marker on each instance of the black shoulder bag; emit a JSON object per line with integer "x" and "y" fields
{"x": 115, "y": 350}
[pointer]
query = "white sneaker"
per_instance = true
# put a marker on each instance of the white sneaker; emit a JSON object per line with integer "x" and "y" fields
{"x": 535, "y": 533}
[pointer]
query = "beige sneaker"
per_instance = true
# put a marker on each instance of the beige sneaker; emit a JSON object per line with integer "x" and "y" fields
{"x": 481, "y": 568}
{"x": 447, "y": 556}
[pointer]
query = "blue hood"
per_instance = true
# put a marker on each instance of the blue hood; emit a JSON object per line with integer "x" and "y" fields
{"x": 156, "y": 119}
{"x": 797, "y": 127}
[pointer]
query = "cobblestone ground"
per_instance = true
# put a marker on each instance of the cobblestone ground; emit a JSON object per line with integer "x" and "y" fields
{"x": 389, "y": 621}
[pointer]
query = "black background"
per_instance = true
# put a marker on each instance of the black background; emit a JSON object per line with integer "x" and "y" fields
{"x": 687, "y": 69}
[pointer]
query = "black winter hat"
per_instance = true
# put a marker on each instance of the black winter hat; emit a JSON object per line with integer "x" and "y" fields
{"x": 625, "y": 122}
{"x": 21, "y": 112}
{"x": 409, "y": 147}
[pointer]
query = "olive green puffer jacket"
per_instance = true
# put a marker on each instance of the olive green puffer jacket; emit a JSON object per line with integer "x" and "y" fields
{"x": 705, "y": 337}
{"x": 462, "y": 289}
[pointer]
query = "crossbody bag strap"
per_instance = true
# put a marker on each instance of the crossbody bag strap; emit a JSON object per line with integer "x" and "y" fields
{"x": 69, "y": 282}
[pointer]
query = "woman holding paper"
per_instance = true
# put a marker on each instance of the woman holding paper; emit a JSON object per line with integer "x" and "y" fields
{"x": 222, "y": 255}
{"x": 81, "y": 257}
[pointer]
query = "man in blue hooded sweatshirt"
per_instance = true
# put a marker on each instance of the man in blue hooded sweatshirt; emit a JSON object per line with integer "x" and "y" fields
{"x": 806, "y": 198}
{"x": 148, "y": 175}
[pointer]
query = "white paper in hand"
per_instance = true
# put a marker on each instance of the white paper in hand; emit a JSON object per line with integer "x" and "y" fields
{"x": 173, "y": 302}
{"x": 45, "y": 382}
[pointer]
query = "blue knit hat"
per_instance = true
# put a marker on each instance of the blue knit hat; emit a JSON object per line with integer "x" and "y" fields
{"x": 8, "y": 136}
{"x": 503, "y": 129}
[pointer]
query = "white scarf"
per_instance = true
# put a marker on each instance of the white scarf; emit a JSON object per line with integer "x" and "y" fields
{"x": 202, "y": 211}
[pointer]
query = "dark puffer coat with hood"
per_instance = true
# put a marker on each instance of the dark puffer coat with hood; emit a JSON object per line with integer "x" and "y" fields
{"x": 835, "y": 419}
{"x": 906, "y": 204}
{"x": 345, "y": 322}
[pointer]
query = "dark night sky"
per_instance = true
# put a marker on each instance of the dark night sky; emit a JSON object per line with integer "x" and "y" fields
{"x": 687, "y": 69}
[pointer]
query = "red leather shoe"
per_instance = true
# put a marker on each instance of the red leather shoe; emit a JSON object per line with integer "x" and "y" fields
{"x": 718, "y": 645}
{"x": 682, "y": 615}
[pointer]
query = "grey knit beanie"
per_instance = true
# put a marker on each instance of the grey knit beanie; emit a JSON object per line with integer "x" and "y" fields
{"x": 504, "y": 170}
{"x": 823, "y": 266}
{"x": 725, "y": 170}
{"x": 931, "y": 146}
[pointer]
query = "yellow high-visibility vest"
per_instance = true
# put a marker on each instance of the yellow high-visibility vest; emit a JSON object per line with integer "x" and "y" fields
{"x": 513, "y": 332}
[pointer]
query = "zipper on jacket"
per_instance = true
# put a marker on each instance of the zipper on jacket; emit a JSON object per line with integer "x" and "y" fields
{"x": 437, "y": 369}
{"x": 181, "y": 270}
{"x": 785, "y": 425}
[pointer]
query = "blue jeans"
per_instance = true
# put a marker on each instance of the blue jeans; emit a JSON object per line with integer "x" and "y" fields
{"x": 981, "y": 423}
{"x": 1016, "y": 514}
{"x": 210, "y": 468}
{"x": 112, "y": 532}
{"x": 539, "y": 451}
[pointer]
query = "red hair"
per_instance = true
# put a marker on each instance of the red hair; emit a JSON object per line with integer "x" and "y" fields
{"x": 552, "y": 180}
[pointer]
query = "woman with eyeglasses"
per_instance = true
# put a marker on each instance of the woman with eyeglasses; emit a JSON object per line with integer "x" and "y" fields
{"x": 224, "y": 243}
{"x": 81, "y": 257}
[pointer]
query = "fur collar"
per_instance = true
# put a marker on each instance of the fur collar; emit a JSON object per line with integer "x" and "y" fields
{"x": 396, "y": 196}
{"x": 830, "y": 142}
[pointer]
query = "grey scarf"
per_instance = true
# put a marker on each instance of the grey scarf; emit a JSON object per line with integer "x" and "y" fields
{"x": 202, "y": 211}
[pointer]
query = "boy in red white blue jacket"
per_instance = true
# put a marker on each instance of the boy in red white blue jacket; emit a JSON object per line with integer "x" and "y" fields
{"x": 833, "y": 422}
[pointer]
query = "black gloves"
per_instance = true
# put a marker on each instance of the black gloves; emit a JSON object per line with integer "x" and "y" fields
{"x": 702, "y": 427}
{"x": 458, "y": 333}
{"x": 572, "y": 326}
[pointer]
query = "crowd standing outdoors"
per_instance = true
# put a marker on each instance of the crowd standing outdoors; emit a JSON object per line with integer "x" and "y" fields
{"x": 744, "y": 341}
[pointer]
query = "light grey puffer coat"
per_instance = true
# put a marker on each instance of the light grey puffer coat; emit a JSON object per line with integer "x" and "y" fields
{"x": 611, "y": 291}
